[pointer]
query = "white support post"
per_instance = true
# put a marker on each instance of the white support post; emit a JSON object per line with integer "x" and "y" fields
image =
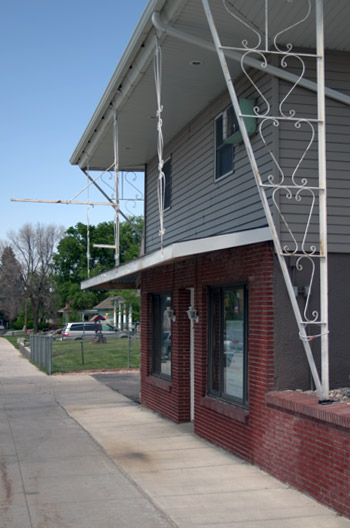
{"x": 321, "y": 110}
{"x": 130, "y": 318}
{"x": 116, "y": 190}
{"x": 321, "y": 386}
{"x": 123, "y": 317}
{"x": 88, "y": 256}
{"x": 192, "y": 359}
{"x": 115, "y": 314}
{"x": 120, "y": 316}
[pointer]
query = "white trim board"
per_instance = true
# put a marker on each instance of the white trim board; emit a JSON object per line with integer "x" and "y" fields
{"x": 179, "y": 250}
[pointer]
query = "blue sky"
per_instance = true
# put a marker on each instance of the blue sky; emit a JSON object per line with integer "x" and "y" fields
{"x": 56, "y": 60}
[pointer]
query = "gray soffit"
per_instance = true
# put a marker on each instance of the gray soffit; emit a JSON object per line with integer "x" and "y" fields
{"x": 188, "y": 87}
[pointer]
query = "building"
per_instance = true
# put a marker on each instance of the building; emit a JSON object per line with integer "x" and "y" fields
{"x": 116, "y": 312}
{"x": 239, "y": 318}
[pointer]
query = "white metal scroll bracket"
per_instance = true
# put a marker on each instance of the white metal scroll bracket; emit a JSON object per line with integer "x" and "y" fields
{"x": 294, "y": 187}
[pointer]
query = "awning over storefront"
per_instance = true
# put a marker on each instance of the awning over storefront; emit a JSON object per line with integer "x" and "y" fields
{"x": 127, "y": 275}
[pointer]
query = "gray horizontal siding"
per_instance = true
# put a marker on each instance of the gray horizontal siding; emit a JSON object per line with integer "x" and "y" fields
{"x": 201, "y": 207}
{"x": 291, "y": 146}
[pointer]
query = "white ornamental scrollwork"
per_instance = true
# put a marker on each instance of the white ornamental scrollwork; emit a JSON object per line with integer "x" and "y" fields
{"x": 292, "y": 185}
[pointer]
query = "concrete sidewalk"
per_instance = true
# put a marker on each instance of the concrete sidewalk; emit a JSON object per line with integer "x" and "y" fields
{"x": 74, "y": 453}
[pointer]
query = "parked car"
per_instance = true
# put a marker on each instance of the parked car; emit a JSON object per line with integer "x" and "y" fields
{"x": 81, "y": 330}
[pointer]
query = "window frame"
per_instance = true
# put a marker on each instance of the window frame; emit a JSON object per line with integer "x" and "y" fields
{"x": 220, "y": 394}
{"x": 219, "y": 148}
{"x": 158, "y": 334}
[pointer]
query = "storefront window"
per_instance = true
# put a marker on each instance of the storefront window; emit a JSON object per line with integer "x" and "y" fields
{"x": 162, "y": 327}
{"x": 228, "y": 343}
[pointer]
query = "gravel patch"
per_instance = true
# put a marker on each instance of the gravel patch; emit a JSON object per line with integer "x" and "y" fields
{"x": 341, "y": 394}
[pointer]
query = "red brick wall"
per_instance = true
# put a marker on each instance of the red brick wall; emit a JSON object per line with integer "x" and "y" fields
{"x": 228, "y": 426}
{"x": 253, "y": 264}
{"x": 297, "y": 446}
{"x": 308, "y": 446}
{"x": 170, "y": 398}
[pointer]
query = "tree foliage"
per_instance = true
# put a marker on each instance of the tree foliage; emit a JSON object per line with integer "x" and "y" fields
{"x": 70, "y": 259}
{"x": 11, "y": 289}
{"x": 42, "y": 267}
{"x": 130, "y": 240}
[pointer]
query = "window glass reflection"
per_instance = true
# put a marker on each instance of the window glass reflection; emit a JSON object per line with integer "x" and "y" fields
{"x": 166, "y": 336}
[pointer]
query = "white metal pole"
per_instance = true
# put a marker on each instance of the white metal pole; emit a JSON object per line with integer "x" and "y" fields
{"x": 192, "y": 361}
{"x": 116, "y": 183}
{"x": 115, "y": 314}
{"x": 130, "y": 318}
{"x": 119, "y": 316}
{"x": 88, "y": 233}
{"x": 255, "y": 169}
{"x": 266, "y": 25}
{"x": 321, "y": 110}
{"x": 62, "y": 202}
{"x": 123, "y": 317}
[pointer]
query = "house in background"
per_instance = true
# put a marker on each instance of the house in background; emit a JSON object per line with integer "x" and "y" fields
{"x": 82, "y": 315}
{"x": 227, "y": 121}
{"x": 116, "y": 312}
{"x": 65, "y": 311}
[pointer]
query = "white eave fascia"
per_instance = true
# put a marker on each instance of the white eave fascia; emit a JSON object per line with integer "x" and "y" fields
{"x": 141, "y": 32}
{"x": 179, "y": 250}
{"x": 130, "y": 69}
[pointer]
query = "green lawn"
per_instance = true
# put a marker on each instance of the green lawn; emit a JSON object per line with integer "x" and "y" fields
{"x": 69, "y": 355}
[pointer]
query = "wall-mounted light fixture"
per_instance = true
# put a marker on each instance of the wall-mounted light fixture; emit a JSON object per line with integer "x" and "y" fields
{"x": 170, "y": 314}
{"x": 192, "y": 314}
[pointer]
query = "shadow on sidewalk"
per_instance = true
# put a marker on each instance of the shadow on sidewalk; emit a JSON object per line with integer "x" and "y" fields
{"x": 126, "y": 383}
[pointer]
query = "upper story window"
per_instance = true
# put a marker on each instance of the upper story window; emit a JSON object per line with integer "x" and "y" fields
{"x": 225, "y": 126}
{"x": 227, "y": 135}
{"x": 167, "y": 174}
{"x": 161, "y": 334}
{"x": 228, "y": 379}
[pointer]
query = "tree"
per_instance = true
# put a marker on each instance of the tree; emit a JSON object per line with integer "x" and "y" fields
{"x": 34, "y": 248}
{"x": 71, "y": 261}
{"x": 11, "y": 291}
{"x": 130, "y": 240}
{"x": 80, "y": 300}
{"x": 70, "y": 256}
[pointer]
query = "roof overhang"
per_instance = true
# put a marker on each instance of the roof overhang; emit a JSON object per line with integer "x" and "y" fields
{"x": 127, "y": 275}
{"x": 192, "y": 77}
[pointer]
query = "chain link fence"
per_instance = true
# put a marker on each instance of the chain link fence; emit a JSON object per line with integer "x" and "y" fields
{"x": 41, "y": 351}
{"x": 56, "y": 355}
